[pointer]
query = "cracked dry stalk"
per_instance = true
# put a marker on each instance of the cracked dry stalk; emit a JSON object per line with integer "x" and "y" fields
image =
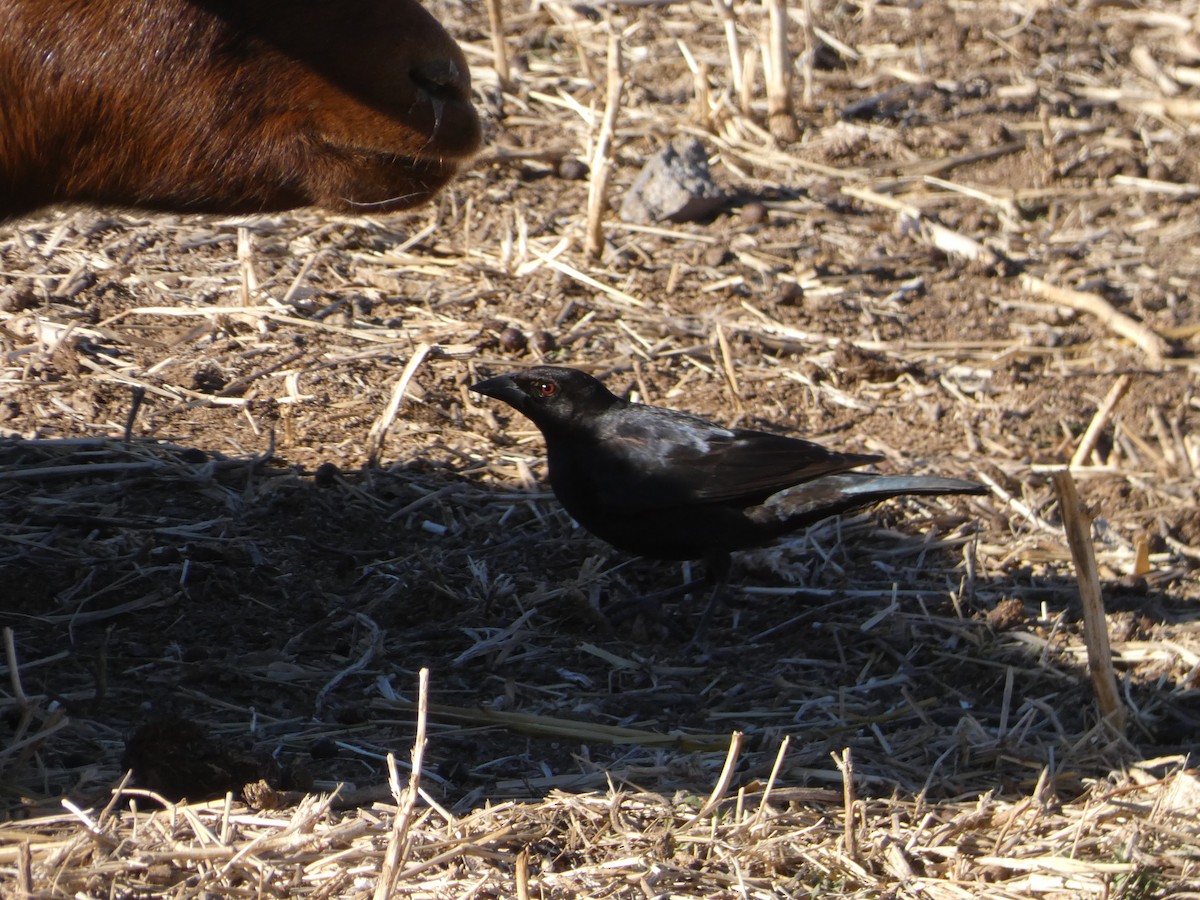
{"x": 602, "y": 158}
{"x": 777, "y": 69}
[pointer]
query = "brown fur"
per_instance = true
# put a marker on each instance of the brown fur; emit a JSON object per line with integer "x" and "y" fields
{"x": 229, "y": 106}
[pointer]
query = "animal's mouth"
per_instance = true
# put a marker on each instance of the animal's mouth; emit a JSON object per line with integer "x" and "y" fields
{"x": 382, "y": 178}
{"x": 420, "y": 179}
{"x": 442, "y": 140}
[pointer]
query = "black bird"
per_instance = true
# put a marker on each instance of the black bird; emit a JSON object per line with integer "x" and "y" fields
{"x": 669, "y": 485}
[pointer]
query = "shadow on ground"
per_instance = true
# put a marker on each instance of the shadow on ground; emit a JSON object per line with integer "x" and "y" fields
{"x": 214, "y": 621}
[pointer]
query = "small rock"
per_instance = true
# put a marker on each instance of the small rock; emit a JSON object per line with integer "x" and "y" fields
{"x": 326, "y": 474}
{"x": 545, "y": 342}
{"x": 572, "y": 169}
{"x": 791, "y": 294}
{"x": 324, "y": 748}
{"x": 753, "y": 214}
{"x": 715, "y": 255}
{"x": 20, "y": 296}
{"x": 513, "y": 340}
{"x": 1008, "y": 613}
{"x": 674, "y": 186}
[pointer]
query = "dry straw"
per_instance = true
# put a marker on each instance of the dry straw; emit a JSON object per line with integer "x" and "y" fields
{"x": 976, "y": 261}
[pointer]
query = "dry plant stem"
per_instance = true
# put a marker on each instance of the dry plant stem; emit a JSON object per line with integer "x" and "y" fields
{"x": 14, "y": 668}
{"x": 374, "y": 646}
{"x": 703, "y": 97}
{"x": 777, "y": 68}
{"x": 602, "y": 158}
{"x": 953, "y": 242}
{"x": 766, "y": 796}
{"x": 845, "y": 764}
{"x": 499, "y": 50}
{"x": 724, "y": 9}
{"x": 1151, "y": 343}
{"x": 1141, "y": 563}
{"x": 913, "y": 220}
{"x": 559, "y": 727}
{"x": 749, "y": 71}
{"x": 245, "y": 252}
{"x": 138, "y": 395}
{"x": 522, "y": 875}
{"x": 726, "y": 777}
{"x": 379, "y": 430}
{"x": 810, "y": 53}
{"x": 735, "y": 391}
{"x": 406, "y": 801}
{"x": 1077, "y": 523}
{"x": 24, "y": 870}
{"x": 1100, "y": 421}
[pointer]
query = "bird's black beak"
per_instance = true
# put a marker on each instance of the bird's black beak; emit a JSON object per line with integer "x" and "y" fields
{"x": 502, "y": 387}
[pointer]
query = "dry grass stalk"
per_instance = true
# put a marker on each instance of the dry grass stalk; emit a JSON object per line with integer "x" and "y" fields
{"x": 845, "y": 764}
{"x": 809, "y": 61}
{"x": 14, "y": 669}
{"x": 837, "y": 324}
{"x": 914, "y": 221}
{"x": 721, "y": 788}
{"x": 1153, "y": 345}
{"x": 601, "y": 163}
{"x": 955, "y": 243}
{"x": 562, "y": 727}
{"x": 780, "y": 756}
{"x": 245, "y": 252}
{"x": 749, "y": 74}
{"x": 1077, "y": 522}
{"x": 406, "y": 800}
{"x": 777, "y": 69}
{"x": 378, "y": 433}
{"x": 728, "y": 18}
{"x": 1104, "y": 414}
{"x": 735, "y": 391}
{"x": 373, "y": 646}
{"x": 499, "y": 46}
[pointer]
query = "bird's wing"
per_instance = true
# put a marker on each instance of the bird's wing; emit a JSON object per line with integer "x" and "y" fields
{"x": 679, "y": 458}
{"x": 744, "y": 465}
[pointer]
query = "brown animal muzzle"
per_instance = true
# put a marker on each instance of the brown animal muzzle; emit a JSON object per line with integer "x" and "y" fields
{"x": 454, "y": 127}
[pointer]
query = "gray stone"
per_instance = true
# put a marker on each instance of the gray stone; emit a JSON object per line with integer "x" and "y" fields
{"x": 673, "y": 186}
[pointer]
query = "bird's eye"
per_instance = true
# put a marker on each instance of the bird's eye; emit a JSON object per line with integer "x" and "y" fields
{"x": 546, "y": 388}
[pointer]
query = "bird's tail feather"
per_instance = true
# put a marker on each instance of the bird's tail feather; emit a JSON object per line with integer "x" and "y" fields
{"x": 833, "y": 494}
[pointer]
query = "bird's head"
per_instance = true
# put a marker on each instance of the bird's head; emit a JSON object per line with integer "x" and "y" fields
{"x": 552, "y": 396}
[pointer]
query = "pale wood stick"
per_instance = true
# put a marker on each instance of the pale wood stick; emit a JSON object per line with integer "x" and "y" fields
{"x": 749, "y": 71}
{"x": 406, "y": 800}
{"x": 953, "y": 242}
{"x": 379, "y": 430}
{"x": 725, "y": 11}
{"x": 779, "y": 757}
{"x": 1151, "y": 343}
{"x": 777, "y": 69}
{"x": 499, "y": 50}
{"x": 522, "y": 874}
{"x": 602, "y": 158}
{"x": 845, "y": 764}
{"x": 950, "y": 242}
{"x": 726, "y": 777}
{"x": 1100, "y": 421}
{"x": 245, "y": 253}
{"x": 810, "y": 53}
{"x": 1077, "y": 522}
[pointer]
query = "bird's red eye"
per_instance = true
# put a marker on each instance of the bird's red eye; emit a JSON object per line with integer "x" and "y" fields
{"x": 547, "y": 388}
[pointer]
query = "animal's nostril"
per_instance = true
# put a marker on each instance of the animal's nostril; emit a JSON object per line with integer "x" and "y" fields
{"x": 443, "y": 78}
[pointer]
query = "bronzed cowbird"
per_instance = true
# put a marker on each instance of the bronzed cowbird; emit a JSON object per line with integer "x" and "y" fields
{"x": 669, "y": 485}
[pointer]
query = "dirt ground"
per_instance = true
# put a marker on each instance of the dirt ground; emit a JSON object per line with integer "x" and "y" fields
{"x": 223, "y": 559}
